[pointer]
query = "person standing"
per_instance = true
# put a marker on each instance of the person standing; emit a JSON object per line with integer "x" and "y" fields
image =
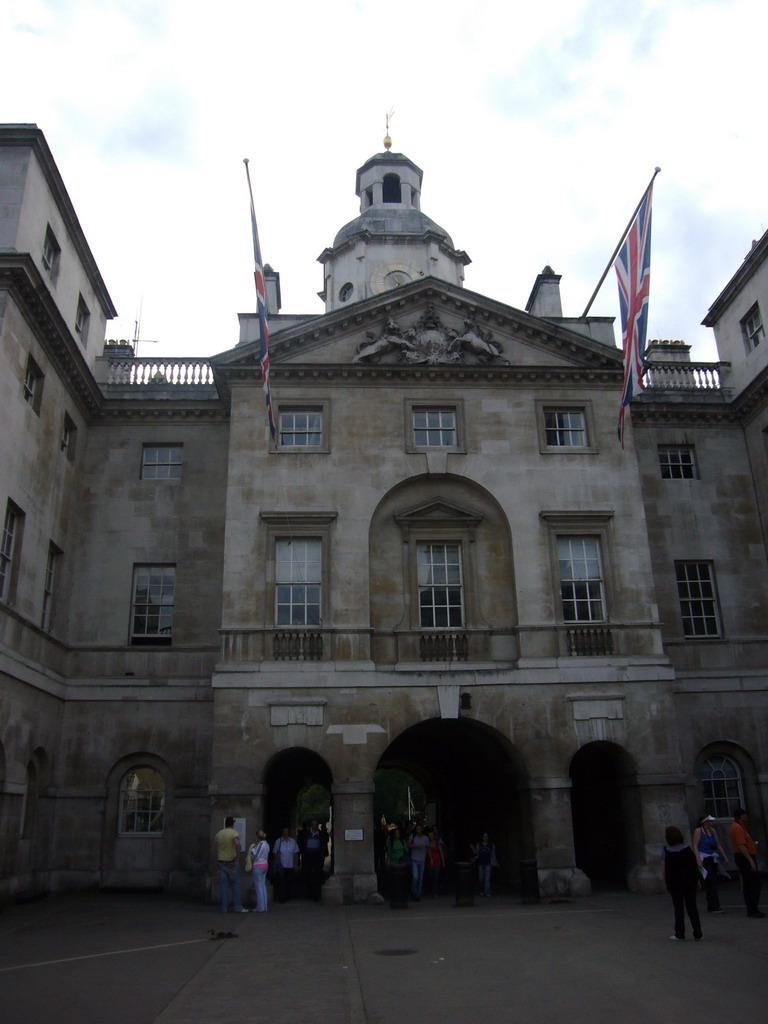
{"x": 227, "y": 844}
{"x": 708, "y": 851}
{"x": 485, "y": 856}
{"x": 313, "y": 859}
{"x": 681, "y": 876}
{"x": 418, "y": 845}
{"x": 435, "y": 860}
{"x": 286, "y": 851}
{"x": 745, "y": 854}
{"x": 258, "y": 855}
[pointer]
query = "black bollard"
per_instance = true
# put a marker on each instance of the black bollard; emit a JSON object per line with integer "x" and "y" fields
{"x": 399, "y": 884}
{"x": 529, "y": 882}
{"x": 465, "y": 884}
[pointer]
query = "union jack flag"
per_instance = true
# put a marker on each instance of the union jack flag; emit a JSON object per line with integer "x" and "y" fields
{"x": 633, "y": 268}
{"x": 261, "y": 304}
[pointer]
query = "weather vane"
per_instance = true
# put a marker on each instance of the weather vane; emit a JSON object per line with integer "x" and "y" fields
{"x": 387, "y": 140}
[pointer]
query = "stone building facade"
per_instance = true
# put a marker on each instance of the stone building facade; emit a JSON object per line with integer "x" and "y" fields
{"x": 443, "y": 563}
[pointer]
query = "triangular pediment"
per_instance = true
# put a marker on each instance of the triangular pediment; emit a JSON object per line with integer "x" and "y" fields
{"x": 427, "y": 324}
{"x": 438, "y": 510}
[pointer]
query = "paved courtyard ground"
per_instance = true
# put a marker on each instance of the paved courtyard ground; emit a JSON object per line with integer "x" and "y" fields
{"x": 108, "y": 958}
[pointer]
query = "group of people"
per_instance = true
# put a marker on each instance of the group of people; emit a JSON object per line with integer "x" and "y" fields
{"x": 687, "y": 868}
{"x": 286, "y": 857}
{"x": 423, "y": 849}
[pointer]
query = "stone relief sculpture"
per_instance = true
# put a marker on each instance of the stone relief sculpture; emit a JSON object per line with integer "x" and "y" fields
{"x": 430, "y": 342}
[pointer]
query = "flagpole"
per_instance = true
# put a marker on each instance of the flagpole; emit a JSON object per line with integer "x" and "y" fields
{"x": 261, "y": 307}
{"x": 612, "y": 260}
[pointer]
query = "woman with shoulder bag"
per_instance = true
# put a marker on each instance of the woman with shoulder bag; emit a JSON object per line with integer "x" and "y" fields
{"x": 708, "y": 850}
{"x": 259, "y": 857}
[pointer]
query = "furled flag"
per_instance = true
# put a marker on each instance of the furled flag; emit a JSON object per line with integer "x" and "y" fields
{"x": 633, "y": 268}
{"x": 261, "y": 303}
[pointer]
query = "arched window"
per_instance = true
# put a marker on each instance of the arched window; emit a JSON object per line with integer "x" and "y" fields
{"x": 142, "y": 802}
{"x": 721, "y": 786}
{"x": 391, "y": 189}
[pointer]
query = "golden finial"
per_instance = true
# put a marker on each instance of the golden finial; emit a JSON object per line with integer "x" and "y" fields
{"x": 387, "y": 140}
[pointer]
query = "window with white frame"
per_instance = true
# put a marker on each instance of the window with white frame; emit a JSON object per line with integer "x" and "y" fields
{"x": 698, "y": 599}
{"x": 33, "y": 384}
{"x": 142, "y": 802}
{"x": 69, "y": 437}
{"x": 565, "y": 428}
{"x": 298, "y": 581}
{"x": 51, "y": 252}
{"x": 51, "y": 567}
{"x": 9, "y": 549}
{"x": 434, "y": 427}
{"x": 161, "y": 462}
{"x": 752, "y": 328}
{"x": 721, "y": 786}
{"x": 154, "y": 589}
{"x": 300, "y": 426}
{"x": 440, "y": 583}
{"x": 582, "y": 588}
{"x": 82, "y": 318}
{"x": 678, "y": 462}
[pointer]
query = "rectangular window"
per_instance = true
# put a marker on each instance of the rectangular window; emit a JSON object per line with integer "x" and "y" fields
{"x": 298, "y": 581}
{"x": 565, "y": 428}
{"x": 752, "y": 328}
{"x": 434, "y": 428}
{"x": 51, "y": 251}
{"x": 33, "y": 384}
{"x": 69, "y": 437}
{"x": 441, "y": 598}
{"x": 153, "y": 599}
{"x": 161, "y": 462}
{"x": 677, "y": 462}
{"x": 301, "y": 427}
{"x": 50, "y": 577}
{"x": 9, "y": 549}
{"x": 581, "y": 579}
{"x": 82, "y": 316}
{"x": 698, "y": 599}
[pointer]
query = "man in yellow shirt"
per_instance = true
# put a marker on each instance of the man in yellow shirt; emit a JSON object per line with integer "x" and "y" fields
{"x": 745, "y": 855}
{"x": 227, "y": 843}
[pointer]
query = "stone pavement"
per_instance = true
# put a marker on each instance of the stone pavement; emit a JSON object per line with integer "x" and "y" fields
{"x": 109, "y": 958}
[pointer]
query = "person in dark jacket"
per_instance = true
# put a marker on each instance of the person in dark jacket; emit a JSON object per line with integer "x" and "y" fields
{"x": 681, "y": 876}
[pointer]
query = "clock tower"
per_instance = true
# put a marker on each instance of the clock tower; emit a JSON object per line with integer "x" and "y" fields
{"x": 392, "y": 242}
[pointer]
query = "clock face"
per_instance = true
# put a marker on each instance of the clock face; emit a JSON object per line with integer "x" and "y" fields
{"x": 391, "y": 275}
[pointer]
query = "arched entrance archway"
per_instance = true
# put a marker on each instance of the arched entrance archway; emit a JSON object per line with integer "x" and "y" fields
{"x": 605, "y": 812}
{"x": 297, "y": 787}
{"x": 474, "y": 782}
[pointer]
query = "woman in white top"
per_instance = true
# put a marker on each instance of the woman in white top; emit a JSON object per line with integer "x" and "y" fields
{"x": 259, "y": 857}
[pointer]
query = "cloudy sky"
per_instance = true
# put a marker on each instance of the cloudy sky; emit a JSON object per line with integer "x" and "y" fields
{"x": 537, "y": 127}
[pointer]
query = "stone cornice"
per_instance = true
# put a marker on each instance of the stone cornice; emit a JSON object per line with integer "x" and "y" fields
{"x": 671, "y": 411}
{"x": 22, "y": 279}
{"x": 141, "y": 407}
{"x": 30, "y": 136}
{"x": 751, "y": 262}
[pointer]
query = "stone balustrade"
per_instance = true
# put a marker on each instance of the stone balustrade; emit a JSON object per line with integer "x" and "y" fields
{"x": 163, "y": 372}
{"x": 683, "y": 376}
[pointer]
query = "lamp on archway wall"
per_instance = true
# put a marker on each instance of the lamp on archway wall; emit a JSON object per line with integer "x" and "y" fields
{"x": 465, "y": 702}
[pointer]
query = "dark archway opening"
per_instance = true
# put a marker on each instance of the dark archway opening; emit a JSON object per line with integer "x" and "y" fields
{"x": 473, "y": 783}
{"x": 604, "y": 812}
{"x": 297, "y": 788}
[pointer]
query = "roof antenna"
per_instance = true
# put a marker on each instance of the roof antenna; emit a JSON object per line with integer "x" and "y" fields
{"x": 137, "y": 331}
{"x": 388, "y": 117}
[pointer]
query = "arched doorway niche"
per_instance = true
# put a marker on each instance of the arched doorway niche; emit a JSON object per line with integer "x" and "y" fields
{"x": 606, "y": 813}
{"x": 475, "y": 781}
{"x": 289, "y": 776}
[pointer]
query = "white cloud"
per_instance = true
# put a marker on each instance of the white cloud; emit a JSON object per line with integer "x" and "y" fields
{"x": 537, "y": 129}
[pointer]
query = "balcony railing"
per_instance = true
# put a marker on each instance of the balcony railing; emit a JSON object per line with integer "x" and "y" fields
{"x": 162, "y": 372}
{"x": 297, "y": 646}
{"x": 697, "y": 377}
{"x": 443, "y": 646}
{"x": 589, "y": 641}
